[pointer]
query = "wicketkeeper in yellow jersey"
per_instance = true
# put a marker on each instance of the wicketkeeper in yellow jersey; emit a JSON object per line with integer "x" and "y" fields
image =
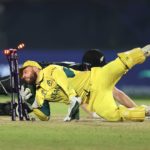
{"x": 59, "y": 84}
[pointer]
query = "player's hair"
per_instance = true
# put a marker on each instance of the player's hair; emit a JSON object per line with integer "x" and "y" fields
{"x": 93, "y": 58}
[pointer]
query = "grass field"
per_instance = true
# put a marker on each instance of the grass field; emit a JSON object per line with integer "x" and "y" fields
{"x": 86, "y": 134}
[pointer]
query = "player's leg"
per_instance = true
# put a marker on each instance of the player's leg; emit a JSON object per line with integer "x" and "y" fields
{"x": 105, "y": 78}
{"x": 103, "y": 81}
{"x": 133, "y": 57}
{"x": 115, "y": 69}
{"x": 107, "y": 108}
{"x": 108, "y": 75}
{"x": 125, "y": 61}
{"x": 5, "y": 108}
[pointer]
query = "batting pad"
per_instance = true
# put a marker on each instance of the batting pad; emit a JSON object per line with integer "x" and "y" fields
{"x": 132, "y": 57}
{"x": 133, "y": 114}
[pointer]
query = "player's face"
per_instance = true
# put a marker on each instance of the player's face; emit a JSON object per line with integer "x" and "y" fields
{"x": 29, "y": 75}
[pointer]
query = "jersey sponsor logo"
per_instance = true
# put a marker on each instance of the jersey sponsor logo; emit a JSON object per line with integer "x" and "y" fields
{"x": 54, "y": 94}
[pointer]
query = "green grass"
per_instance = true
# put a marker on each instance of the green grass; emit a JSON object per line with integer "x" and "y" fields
{"x": 86, "y": 134}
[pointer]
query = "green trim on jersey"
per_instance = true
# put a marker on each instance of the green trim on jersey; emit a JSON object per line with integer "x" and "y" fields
{"x": 69, "y": 73}
{"x": 45, "y": 108}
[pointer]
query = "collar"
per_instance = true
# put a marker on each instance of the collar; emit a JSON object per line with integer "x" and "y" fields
{"x": 40, "y": 77}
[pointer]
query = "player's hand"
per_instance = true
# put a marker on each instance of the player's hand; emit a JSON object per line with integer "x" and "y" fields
{"x": 73, "y": 108}
{"x": 67, "y": 119}
{"x": 25, "y": 93}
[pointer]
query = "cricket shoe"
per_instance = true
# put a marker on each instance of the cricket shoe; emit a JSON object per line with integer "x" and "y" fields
{"x": 147, "y": 110}
{"x": 146, "y": 50}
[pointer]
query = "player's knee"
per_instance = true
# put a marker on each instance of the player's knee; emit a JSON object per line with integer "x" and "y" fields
{"x": 112, "y": 116}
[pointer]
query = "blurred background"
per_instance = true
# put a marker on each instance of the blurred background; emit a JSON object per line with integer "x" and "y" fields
{"x": 62, "y": 30}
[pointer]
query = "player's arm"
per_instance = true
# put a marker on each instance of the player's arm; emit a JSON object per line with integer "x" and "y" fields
{"x": 61, "y": 75}
{"x": 123, "y": 99}
{"x": 29, "y": 100}
{"x": 43, "y": 112}
{"x": 89, "y": 113}
{"x": 41, "y": 106}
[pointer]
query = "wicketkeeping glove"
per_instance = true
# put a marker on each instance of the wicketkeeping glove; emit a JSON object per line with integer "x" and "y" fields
{"x": 73, "y": 109}
{"x": 25, "y": 95}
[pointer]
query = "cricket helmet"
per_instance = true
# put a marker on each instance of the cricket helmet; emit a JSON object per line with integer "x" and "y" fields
{"x": 93, "y": 58}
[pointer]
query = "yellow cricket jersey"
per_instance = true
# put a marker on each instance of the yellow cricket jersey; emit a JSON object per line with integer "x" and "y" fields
{"x": 81, "y": 83}
{"x": 53, "y": 85}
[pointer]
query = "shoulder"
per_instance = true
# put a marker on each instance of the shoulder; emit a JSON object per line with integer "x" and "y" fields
{"x": 52, "y": 67}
